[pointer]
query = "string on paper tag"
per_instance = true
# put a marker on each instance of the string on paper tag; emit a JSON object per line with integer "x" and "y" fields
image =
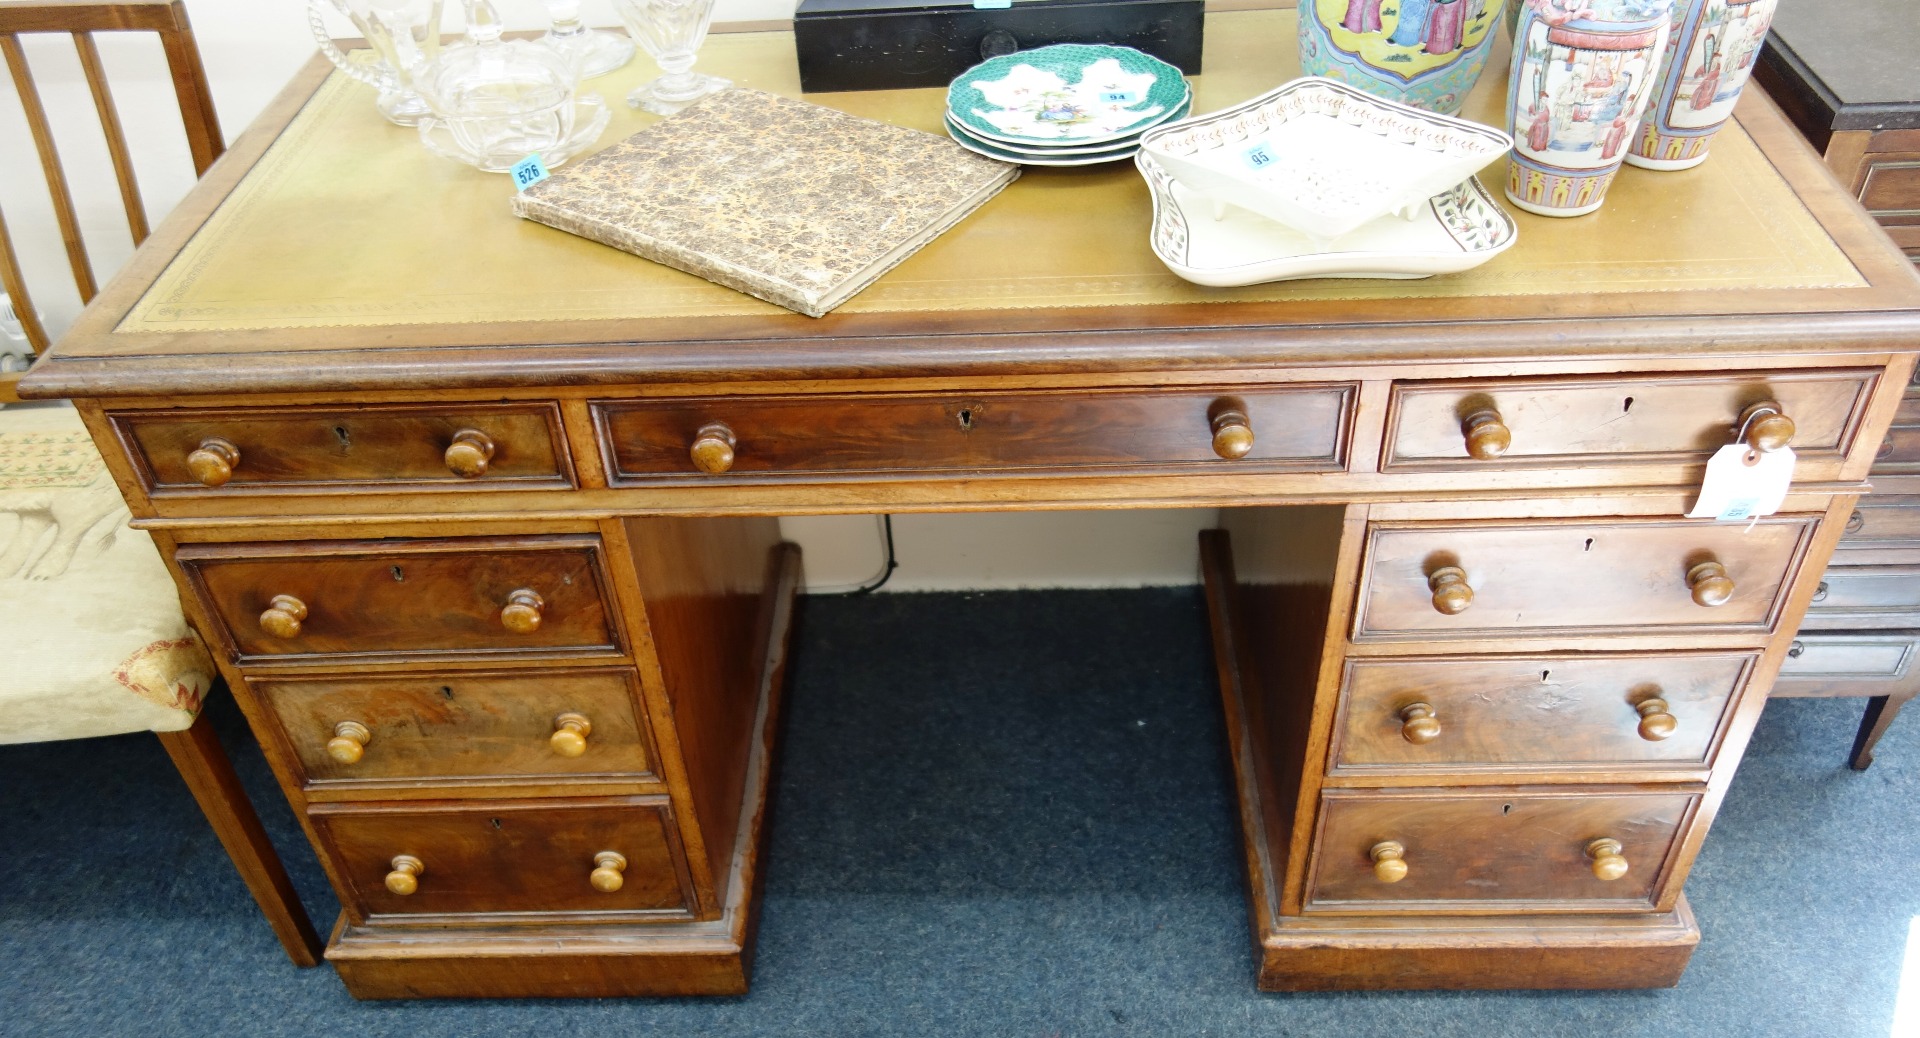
{"x": 528, "y": 172}
{"x": 1744, "y": 484}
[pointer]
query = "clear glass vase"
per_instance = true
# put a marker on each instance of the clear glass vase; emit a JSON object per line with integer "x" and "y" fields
{"x": 593, "y": 52}
{"x": 671, "y": 31}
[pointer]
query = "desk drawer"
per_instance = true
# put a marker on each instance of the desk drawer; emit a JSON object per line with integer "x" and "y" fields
{"x": 1414, "y": 716}
{"x": 1500, "y": 580}
{"x": 491, "y": 446}
{"x": 1883, "y": 522}
{"x": 1302, "y": 428}
{"x": 1583, "y": 421}
{"x": 1487, "y": 851}
{"x": 1866, "y": 596}
{"x": 534, "y": 858}
{"x": 333, "y": 599}
{"x": 425, "y": 732}
{"x": 1900, "y": 451}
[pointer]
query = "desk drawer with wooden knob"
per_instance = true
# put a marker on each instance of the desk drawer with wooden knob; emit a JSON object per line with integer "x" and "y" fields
{"x": 613, "y": 859}
{"x": 373, "y": 449}
{"x": 745, "y": 439}
{"x": 426, "y": 735}
{"x": 326, "y": 600}
{"x": 1469, "y": 424}
{"x": 1540, "y": 577}
{"x": 1557, "y": 714}
{"x": 1533, "y": 850}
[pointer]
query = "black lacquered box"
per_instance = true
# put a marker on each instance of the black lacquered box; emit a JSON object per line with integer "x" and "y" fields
{"x": 888, "y": 44}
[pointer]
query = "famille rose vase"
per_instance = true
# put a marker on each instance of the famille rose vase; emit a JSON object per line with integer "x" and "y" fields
{"x": 1584, "y": 72}
{"x": 1424, "y": 53}
{"x": 1709, "y": 57}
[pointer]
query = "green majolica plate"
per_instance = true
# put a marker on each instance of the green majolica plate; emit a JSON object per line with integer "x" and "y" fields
{"x": 1069, "y": 93}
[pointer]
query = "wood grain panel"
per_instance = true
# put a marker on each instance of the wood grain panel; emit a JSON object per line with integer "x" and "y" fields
{"x": 433, "y": 730}
{"x": 492, "y": 862}
{"x": 1560, "y": 576}
{"x": 342, "y": 449}
{"x": 1559, "y": 712}
{"x": 1892, "y": 187}
{"x": 1647, "y": 419}
{"x": 834, "y": 436}
{"x": 1518, "y": 851}
{"x": 405, "y": 598}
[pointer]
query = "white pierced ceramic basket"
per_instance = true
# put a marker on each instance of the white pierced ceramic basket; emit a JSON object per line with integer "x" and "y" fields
{"x": 1322, "y": 157}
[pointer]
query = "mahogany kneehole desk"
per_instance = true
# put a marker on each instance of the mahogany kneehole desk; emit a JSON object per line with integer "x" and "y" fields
{"x": 478, "y": 518}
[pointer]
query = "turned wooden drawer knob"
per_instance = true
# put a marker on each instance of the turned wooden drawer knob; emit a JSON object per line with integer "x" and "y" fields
{"x": 1232, "y": 434}
{"x": 467, "y": 456}
{"x": 1766, "y": 428}
{"x": 1418, "y": 724}
{"x": 712, "y": 449}
{"x": 1487, "y": 436}
{"x": 1451, "y": 595}
{"x": 1656, "y": 722}
{"x": 282, "y": 617}
{"x": 608, "y": 867}
{"x": 1710, "y": 584}
{"x": 349, "y": 742}
{"x": 570, "y": 733}
{"x": 213, "y": 462}
{"x": 1607, "y": 862}
{"x": 405, "y": 877}
{"x": 521, "y": 614}
{"x": 1389, "y": 861}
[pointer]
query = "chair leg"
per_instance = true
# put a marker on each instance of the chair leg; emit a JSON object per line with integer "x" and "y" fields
{"x": 1881, "y": 711}
{"x": 204, "y": 764}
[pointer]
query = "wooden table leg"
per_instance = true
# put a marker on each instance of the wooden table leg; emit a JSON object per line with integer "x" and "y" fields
{"x": 1881, "y": 711}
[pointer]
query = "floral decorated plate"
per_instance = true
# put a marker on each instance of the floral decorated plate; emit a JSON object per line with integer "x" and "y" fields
{"x": 1069, "y": 93}
{"x": 1129, "y": 143}
{"x": 1322, "y": 157}
{"x": 1211, "y": 244}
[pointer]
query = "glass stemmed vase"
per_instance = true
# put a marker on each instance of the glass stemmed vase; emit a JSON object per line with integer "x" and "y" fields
{"x": 671, "y": 31}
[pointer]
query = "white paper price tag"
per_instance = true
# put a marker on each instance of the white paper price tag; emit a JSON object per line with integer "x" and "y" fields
{"x": 1744, "y": 484}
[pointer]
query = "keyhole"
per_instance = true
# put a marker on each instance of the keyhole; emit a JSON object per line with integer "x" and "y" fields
{"x": 397, "y": 575}
{"x": 340, "y": 433}
{"x": 1504, "y": 809}
{"x": 966, "y": 418}
{"x": 1627, "y": 407}
{"x": 1589, "y": 546}
{"x": 496, "y": 823}
{"x": 1544, "y": 673}
{"x": 446, "y": 691}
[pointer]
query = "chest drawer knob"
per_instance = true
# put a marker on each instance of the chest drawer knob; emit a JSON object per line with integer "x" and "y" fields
{"x": 405, "y": 877}
{"x": 1487, "y": 436}
{"x": 1232, "y": 434}
{"x": 1451, "y": 595}
{"x": 1710, "y": 584}
{"x": 1418, "y": 724}
{"x": 1607, "y": 862}
{"x": 467, "y": 456}
{"x": 521, "y": 614}
{"x": 608, "y": 869}
{"x": 570, "y": 733}
{"x": 349, "y": 742}
{"x": 1656, "y": 723}
{"x": 712, "y": 449}
{"x": 1389, "y": 861}
{"x": 213, "y": 462}
{"x": 1766, "y": 428}
{"x": 283, "y": 616}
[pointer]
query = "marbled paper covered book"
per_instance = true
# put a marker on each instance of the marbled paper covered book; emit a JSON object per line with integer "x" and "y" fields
{"x": 794, "y": 203}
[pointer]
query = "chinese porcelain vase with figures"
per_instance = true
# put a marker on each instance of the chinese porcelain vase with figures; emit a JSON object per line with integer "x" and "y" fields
{"x": 1584, "y": 72}
{"x": 1708, "y": 59}
{"x": 1424, "y": 53}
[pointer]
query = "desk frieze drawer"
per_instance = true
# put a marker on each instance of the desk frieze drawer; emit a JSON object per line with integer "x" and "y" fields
{"x": 1504, "y": 580}
{"x": 379, "y": 448}
{"x": 1291, "y": 429}
{"x": 419, "y": 735}
{"x": 1470, "y": 424}
{"x": 1496, "y": 850}
{"x": 324, "y": 600}
{"x": 614, "y": 859}
{"x": 1866, "y": 596}
{"x": 1418, "y": 716}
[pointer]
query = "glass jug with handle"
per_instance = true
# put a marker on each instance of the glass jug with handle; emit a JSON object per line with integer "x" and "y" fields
{"x": 404, "y": 35}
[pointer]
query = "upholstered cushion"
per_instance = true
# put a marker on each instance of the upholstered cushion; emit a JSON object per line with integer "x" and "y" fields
{"x": 94, "y": 640}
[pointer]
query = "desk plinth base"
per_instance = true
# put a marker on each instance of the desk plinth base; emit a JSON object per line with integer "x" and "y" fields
{"x": 710, "y": 957}
{"x": 1378, "y": 953}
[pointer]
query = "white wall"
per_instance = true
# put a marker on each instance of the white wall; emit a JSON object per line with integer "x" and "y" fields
{"x": 251, "y": 48}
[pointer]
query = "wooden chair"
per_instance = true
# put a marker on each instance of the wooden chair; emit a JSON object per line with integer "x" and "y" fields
{"x": 97, "y": 644}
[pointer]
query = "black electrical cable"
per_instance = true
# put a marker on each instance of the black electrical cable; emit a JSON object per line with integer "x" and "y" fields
{"x": 886, "y": 523}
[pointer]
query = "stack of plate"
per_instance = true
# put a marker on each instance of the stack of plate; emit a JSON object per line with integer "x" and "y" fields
{"x": 1071, "y": 104}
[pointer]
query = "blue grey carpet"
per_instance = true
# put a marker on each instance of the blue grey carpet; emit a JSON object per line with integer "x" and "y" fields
{"x": 997, "y": 814}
